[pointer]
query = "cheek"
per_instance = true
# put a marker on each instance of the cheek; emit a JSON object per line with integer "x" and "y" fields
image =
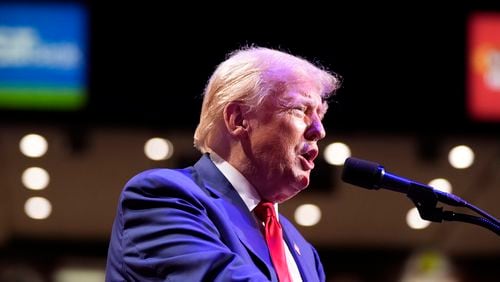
{"x": 292, "y": 132}
{"x": 279, "y": 137}
{"x": 275, "y": 147}
{"x": 287, "y": 137}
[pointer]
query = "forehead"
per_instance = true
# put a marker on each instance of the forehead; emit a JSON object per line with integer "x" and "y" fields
{"x": 292, "y": 86}
{"x": 303, "y": 91}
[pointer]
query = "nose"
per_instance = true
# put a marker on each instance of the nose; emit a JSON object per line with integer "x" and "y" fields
{"x": 315, "y": 131}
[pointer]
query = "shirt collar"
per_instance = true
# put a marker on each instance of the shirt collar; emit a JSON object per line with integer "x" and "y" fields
{"x": 247, "y": 192}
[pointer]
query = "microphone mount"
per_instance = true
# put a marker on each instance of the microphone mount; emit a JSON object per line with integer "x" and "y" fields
{"x": 426, "y": 200}
{"x": 371, "y": 175}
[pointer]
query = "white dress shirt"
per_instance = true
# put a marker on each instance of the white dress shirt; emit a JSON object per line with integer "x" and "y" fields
{"x": 251, "y": 198}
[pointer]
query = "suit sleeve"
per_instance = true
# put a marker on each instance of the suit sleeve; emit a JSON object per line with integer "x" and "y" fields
{"x": 166, "y": 235}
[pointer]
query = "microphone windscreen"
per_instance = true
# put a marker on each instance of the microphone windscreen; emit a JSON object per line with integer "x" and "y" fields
{"x": 361, "y": 173}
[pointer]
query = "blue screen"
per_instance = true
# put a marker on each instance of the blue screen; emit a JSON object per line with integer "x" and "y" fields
{"x": 43, "y": 56}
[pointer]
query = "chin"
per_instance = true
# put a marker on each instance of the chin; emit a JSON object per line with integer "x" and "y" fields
{"x": 291, "y": 190}
{"x": 298, "y": 186}
{"x": 303, "y": 181}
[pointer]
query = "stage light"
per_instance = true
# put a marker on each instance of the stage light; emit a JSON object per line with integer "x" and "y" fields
{"x": 33, "y": 145}
{"x": 441, "y": 184}
{"x": 35, "y": 178}
{"x": 38, "y": 208}
{"x": 158, "y": 149}
{"x": 336, "y": 153}
{"x": 414, "y": 220}
{"x": 461, "y": 157}
{"x": 307, "y": 215}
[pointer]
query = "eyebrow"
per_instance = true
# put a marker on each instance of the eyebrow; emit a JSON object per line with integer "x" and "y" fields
{"x": 306, "y": 98}
{"x": 324, "y": 103}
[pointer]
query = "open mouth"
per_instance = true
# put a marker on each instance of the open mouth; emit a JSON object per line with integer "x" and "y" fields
{"x": 308, "y": 157}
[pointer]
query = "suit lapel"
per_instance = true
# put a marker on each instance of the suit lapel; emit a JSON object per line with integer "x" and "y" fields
{"x": 228, "y": 199}
{"x": 298, "y": 251}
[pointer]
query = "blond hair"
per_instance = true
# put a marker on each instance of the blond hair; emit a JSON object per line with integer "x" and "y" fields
{"x": 249, "y": 75}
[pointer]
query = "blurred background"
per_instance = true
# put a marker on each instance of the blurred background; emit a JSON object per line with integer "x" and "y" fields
{"x": 92, "y": 93}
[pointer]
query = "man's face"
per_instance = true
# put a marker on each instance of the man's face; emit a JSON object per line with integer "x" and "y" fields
{"x": 282, "y": 141}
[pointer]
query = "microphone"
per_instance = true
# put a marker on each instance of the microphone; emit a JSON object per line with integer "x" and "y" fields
{"x": 373, "y": 176}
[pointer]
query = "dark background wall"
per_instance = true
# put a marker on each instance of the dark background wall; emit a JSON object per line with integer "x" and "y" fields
{"x": 404, "y": 74}
{"x": 403, "y": 64}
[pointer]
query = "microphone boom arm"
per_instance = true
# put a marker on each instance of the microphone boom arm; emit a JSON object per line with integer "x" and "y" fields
{"x": 426, "y": 199}
{"x": 371, "y": 175}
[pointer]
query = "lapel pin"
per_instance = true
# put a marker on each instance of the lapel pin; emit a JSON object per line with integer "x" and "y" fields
{"x": 296, "y": 248}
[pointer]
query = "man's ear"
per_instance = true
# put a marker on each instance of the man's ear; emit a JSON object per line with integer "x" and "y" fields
{"x": 234, "y": 118}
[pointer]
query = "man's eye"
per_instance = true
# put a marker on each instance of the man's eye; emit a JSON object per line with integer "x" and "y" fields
{"x": 301, "y": 108}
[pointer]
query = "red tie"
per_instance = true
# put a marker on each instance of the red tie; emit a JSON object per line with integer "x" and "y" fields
{"x": 274, "y": 238}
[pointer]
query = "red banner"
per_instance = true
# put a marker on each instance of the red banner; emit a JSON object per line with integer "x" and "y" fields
{"x": 484, "y": 67}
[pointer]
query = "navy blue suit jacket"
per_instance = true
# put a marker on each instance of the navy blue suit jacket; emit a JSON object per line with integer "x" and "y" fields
{"x": 191, "y": 225}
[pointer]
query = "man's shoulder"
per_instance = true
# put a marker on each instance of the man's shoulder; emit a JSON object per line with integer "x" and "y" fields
{"x": 162, "y": 175}
{"x": 163, "y": 181}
